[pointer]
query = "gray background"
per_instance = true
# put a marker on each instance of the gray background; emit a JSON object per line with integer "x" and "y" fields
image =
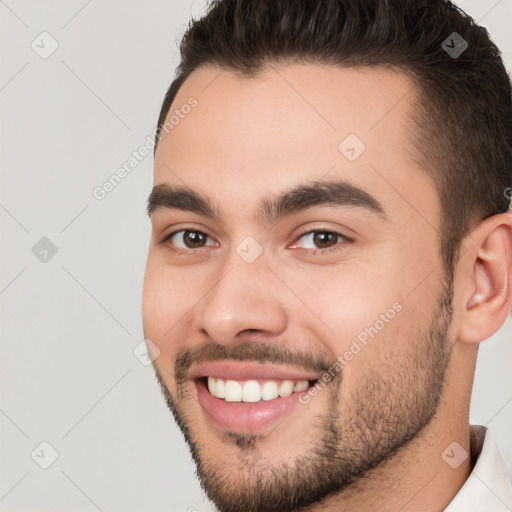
{"x": 70, "y": 324}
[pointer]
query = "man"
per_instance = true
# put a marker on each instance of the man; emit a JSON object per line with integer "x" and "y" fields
{"x": 331, "y": 242}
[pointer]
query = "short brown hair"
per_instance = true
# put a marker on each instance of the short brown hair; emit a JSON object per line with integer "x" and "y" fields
{"x": 463, "y": 118}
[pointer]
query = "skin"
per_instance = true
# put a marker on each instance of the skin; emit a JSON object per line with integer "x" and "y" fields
{"x": 252, "y": 138}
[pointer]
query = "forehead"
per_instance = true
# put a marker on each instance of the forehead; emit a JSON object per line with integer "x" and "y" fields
{"x": 251, "y": 137}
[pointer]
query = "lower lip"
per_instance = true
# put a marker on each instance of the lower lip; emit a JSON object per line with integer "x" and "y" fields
{"x": 245, "y": 417}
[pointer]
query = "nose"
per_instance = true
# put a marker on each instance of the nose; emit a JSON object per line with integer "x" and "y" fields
{"x": 247, "y": 299}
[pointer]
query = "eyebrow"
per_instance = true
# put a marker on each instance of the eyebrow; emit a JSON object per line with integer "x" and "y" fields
{"x": 274, "y": 208}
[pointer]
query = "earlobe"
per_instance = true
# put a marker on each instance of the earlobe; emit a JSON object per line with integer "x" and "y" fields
{"x": 488, "y": 289}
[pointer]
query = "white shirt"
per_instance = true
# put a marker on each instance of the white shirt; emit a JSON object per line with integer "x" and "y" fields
{"x": 489, "y": 487}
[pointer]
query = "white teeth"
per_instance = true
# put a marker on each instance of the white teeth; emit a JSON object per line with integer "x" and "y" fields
{"x": 269, "y": 391}
{"x": 233, "y": 391}
{"x": 220, "y": 389}
{"x": 286, "y": 388}
{"x": 300, "y": 385}
{"x": 252, "y": 391}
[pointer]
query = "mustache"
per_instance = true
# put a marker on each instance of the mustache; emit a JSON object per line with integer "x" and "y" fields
{"x": 254, "y": 352}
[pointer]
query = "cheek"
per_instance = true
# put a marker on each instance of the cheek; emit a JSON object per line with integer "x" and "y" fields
{"x": 169, "y": 296}
{"x": 154, "y": 300}
{"x": 363, "y": 311}
{"x": 348, "y": 298}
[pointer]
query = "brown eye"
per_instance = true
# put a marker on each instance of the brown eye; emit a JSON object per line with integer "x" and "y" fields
{"x": 320, "y": 240}
{"x": 323, "y": 239}
{"x": 190, "y": 239}
{"x": 193, "y": 239}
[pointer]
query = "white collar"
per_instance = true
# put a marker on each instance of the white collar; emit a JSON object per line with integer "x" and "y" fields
{"x": 488, "y": 487}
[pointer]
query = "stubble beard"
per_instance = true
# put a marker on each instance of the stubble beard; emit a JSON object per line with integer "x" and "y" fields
{"x": 345, "y": 444}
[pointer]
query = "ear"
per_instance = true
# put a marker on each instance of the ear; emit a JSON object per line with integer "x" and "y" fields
{"x": 485, "y": 297}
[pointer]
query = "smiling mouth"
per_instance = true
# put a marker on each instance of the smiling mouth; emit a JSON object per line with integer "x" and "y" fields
{"x": 252, "y": 391}
{"x": 246, "y": 397}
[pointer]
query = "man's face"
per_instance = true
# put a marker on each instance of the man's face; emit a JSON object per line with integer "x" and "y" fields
{"x": 319, "y": 261}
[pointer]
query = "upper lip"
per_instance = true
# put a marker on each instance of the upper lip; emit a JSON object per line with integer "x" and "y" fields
{"x": 242, "y": 371}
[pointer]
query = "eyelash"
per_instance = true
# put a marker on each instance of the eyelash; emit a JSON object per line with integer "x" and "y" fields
{"x": 344, "y": 240}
